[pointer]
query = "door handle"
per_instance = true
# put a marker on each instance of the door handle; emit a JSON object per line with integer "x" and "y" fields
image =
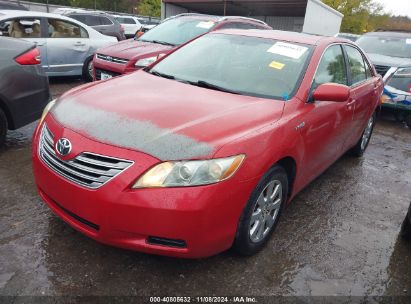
{"x": 79, "y": 44}
{"x": 39, "y": 43}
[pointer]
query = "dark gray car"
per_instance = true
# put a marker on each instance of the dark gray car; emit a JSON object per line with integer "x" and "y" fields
{"x": 24, "y": 87}
{"x": 101, "y": 22}
{"x": 406, "y": 226}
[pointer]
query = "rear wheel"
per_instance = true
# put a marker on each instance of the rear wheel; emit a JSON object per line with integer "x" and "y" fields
{"x": 262, "y": 212}
{"x": 363, "y": 142}
{"x": 88, "y": 69}
{"x": 408, "y": 121}
{"x": 3, "y": 128}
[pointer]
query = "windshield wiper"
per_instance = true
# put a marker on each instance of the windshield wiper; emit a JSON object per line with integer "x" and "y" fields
{"x": 207, "y": 85}
{"x": 161, "y": 74}
{"x": 163, "y": 42}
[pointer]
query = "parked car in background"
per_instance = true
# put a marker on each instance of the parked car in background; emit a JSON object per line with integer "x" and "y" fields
{"x": 7, "y": 5}
{"x": 202, "y": 150}
{"x": 66, "y": 45}
{"x": 390, "y": 52}
{"x": 349, "y": 36}
{"x": 24, "y": 87}
{"x": 145, "y": 28}
{"x": 406, "y": 226}
{"x": 132, "y": 55}
{"x": 130, "y": 24}
{"x": 101, "y": 22}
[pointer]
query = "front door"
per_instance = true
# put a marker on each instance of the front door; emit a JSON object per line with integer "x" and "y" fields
{"x": 327, "y": 124}
{"x": 68, "y": 47}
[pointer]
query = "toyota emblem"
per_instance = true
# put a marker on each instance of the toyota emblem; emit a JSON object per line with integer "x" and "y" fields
{"x": 63, "y": 146}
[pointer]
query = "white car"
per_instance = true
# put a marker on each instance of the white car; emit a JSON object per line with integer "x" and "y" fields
{"x": 66, "y": 45}
{"x": 130, "y": 24}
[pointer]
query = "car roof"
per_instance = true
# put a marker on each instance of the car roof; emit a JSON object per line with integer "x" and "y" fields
{"x": 15, "y": 13}
{"x": 285, "y": 36}
{"x": 216, "y": 18}
{"x": 389, "y": 34}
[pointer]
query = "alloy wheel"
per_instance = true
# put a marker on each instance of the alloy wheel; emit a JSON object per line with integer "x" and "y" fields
{"x": 367, "y": 133}
{"x": 266, "y": 211}
{"x": 90, "y": 69}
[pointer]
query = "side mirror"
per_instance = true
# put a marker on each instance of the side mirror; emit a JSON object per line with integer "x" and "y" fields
{"x": 331, "y": 92}
{"x": 139, "y": 33}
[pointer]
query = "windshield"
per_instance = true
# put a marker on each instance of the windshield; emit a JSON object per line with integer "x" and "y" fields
{"x": 238, "y": 64}
{"x": 178, "y": 31}
{"x": 388, "y": 46}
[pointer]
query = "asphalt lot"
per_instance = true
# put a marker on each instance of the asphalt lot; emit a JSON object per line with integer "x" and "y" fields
{"x": 339, "y": 236}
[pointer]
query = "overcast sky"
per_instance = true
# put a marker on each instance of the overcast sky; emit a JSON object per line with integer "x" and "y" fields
{"x": 397, "y": 7}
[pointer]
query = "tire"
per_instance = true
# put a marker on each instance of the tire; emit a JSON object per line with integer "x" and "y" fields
{"x": 399, "y": 116}
{"x": 87, "y": 73}
{"x": 408, "y": 121}
{"x": 260, "y": 216}
{"x": 362, "y": 144}
{"x": 406, "y": 229}
{"x": 3, "y": 128}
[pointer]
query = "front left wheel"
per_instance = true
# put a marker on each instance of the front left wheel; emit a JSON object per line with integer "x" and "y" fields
{"x": 262, "y": 212}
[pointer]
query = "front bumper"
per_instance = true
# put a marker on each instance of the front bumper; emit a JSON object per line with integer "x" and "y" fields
{"x": 111, "y": 68}
{"x": 205, "y": 218}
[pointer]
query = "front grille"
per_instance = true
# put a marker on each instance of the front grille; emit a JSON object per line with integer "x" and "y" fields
{"x": 86, "y": 169}
{"x": 382, "y": 69}
{"x": 112, "y": 59}
{"x": 99, "y": 71}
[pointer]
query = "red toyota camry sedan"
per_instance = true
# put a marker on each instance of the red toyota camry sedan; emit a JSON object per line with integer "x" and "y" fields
{"x": 218, "y": 138}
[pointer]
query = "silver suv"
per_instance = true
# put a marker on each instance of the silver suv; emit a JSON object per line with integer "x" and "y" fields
{"x": 101, "y": 22}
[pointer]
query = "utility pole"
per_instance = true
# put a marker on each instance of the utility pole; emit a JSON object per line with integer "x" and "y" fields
{"x": 95, "y": 4}
{"x": 225, "y": 7}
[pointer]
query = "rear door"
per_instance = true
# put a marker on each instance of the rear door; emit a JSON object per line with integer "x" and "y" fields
{"x": 68, "y": 46}
{"x": 364, "y": 87}
{"x": 30, "y": 29}
{"x": 326, "y": 124}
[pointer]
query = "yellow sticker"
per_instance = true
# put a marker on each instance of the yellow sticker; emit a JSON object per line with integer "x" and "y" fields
{"x": 277, "y": 65}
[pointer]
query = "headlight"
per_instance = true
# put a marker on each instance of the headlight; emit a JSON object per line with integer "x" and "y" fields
{"x": 47, "y": 109}
{"x": 190, "y": 173}
{"x": 403, "y": 72}
{"x": 142, "y": 63}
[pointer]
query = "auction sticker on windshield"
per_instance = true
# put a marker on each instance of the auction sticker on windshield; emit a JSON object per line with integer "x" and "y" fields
{"x": 288, "y": 50}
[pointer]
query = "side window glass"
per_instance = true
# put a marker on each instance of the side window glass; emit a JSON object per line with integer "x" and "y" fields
{"x": 21, "y": 28}
{"x": 64, "y": 29}
{"x": 105, "y": 21}
{"x": 331, "y": 68}
{"x": 356, "y": 64}
{"x": 93, "y": 20}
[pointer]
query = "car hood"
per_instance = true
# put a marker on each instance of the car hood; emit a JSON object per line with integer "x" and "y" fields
{"x": 378, "y": 59}
{"x": 178, "y": 121}
{"x": 130, "y": 49}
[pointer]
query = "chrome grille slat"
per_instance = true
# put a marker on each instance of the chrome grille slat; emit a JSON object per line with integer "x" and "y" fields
{"x": 112, "y": 59}
{"x": 99, "y": 163}
{"x": 87, "y": 169}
